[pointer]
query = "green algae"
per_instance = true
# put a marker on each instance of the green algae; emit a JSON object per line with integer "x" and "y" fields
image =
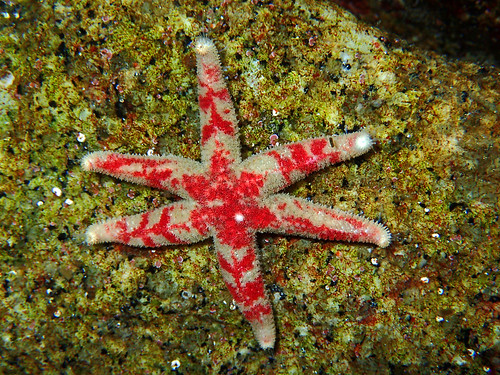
{"x": 124, "y": 77}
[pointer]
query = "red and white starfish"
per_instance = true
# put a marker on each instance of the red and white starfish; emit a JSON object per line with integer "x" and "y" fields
{"x": 231, "y": 200}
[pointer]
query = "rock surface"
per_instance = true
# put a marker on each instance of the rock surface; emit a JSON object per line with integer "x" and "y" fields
{"x": 121, "y": 76}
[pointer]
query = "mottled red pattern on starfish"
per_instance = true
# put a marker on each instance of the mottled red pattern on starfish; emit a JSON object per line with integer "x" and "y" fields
{"x": 231, "y": 200}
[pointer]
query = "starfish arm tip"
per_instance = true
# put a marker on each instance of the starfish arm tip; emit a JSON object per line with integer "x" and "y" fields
{"x": 265, "y": 332}
{"x": 385, "y": 236}
{"x": 91, "y": 161}
{"x": 376, "y": 233}
{"x": 87, "y": 162}
{"x": 267, "y": 344}
{"x": 92, "y": 235}
{"x": 100, "y": 232}
{"x": 204, "y": 45}
{"x": 363, "y": 142}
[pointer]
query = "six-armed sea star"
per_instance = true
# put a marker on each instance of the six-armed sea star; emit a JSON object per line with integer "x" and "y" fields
{"x": 230, "y": 199}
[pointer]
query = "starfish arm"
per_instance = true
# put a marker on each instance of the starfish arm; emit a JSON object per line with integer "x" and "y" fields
{"x": 167, "y": 225}
{"x": 240, "y": 270}
{"x": 162, "y": 172}
{"x": 300, "y": 217}
{"x": 219, "y": 127}
{"x": 286, "y": 164}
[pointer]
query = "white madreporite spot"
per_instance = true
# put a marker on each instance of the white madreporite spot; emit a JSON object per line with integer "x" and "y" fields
{"x": 239, "y": 218}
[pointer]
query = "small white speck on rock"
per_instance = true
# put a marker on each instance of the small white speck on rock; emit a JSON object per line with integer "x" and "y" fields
{"x": 80, "y": 137}
{"x": 57, "y": 192}
{"x": 175, "y": 364}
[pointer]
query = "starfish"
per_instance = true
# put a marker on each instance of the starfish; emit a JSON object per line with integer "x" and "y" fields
{"x": 232, "y": 200}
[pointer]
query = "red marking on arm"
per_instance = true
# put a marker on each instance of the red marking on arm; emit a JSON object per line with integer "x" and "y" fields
{"x": 304, "y": 225}
{"x": 220, "y": 163}
{"x": 122, "y": 234}
{"x": 148, "y": 169}
{"x": 248, "y": 293}
{"x": 244, "y": 294}
{"x": 285, "y": 165}
{"x": 230, "y": 232}
{"x": 162, "y": 228}
{"x": 212, "y": 71}
{"x": 257, "y": 312}
{"x": 288, "y": 164}
{"x": 303, "y": 161}
{"x": 317, "y": 147}
{"x": 216, "y": 124}
{"x": 292, "y": 224}
{"x": 250, "y": 184}
{"x": 217, "y": 121}
{"x": 238, "y": 268}
{"x": 208, "y": 100}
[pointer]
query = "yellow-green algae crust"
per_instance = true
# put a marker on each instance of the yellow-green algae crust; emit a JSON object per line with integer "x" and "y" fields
{"x": 121, "y": 76}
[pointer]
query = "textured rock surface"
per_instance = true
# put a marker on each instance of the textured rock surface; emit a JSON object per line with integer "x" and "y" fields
{"x": 121, "y": 77}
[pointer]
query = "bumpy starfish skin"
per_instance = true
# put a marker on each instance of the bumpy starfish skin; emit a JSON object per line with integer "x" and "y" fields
{"x": 231, "y": 200}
